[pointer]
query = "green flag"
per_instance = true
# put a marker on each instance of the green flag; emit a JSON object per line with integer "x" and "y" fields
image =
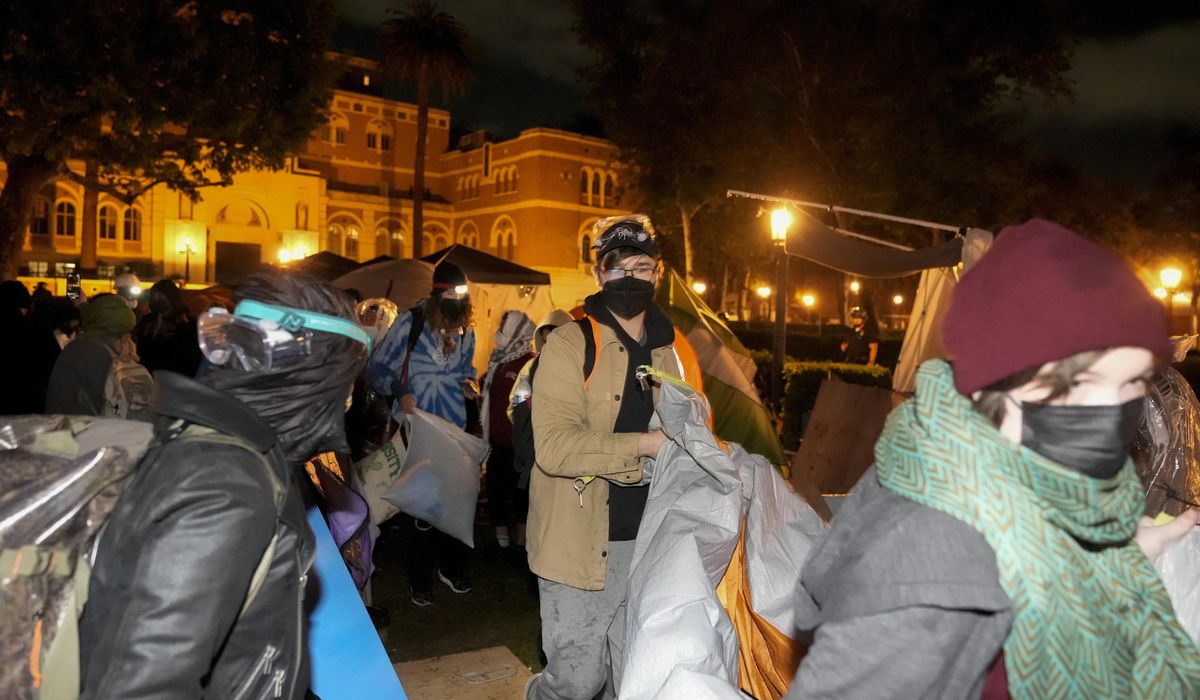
{"x": 727, "y": 368}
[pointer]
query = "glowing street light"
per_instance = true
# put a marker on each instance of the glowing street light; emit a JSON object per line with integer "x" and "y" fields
{"x": 855, "y": 286}
{"x": 763, "y": 291}
{"x": 808, "y": 300}
{"x": 781, "y": 221}
{"x": 898, "y": 300}
{"x": 699, "y": 287}
{"x": 1160, "y": 293}
{"x": 1170, "y": 278}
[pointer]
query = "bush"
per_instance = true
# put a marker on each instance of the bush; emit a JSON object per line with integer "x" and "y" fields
{"x": 804, "y": 381}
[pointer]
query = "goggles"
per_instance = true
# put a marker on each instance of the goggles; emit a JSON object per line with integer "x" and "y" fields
{"x": 262, "y": 337}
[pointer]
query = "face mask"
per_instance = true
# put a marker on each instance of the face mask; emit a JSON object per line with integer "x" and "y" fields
{"x": 628, "y": 296}
{"x": 1092, "y": 440}
{"x": 452, "y": 308}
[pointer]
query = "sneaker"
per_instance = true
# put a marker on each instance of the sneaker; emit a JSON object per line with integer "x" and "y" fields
{"x": 420, "y": 598}
{"x": 458, "y": 585}
{"x": 529, "y": 684}
{"x": 502, "y": 539}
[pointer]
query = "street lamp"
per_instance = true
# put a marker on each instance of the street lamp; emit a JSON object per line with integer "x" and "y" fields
{"x": 186, "y": 250}
{"x": 781, "y": 221}
{"x": 1170, "y": 278}
{"x": 898, "y": 300}
{"x": 808, "y": 300}
{"x": 699, "y": 287}
{"x": 855, "y": 286}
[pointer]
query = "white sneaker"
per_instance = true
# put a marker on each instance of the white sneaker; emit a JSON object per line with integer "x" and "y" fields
{"x": 502, "y": 539}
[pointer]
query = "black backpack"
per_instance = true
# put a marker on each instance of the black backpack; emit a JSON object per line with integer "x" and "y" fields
{"x": 524, "y": 453}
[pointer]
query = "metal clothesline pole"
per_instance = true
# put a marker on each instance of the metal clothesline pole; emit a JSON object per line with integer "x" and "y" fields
{"x": 845, "y": 210}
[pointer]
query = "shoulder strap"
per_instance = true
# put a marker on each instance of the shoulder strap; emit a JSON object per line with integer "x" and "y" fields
{"x": 414, "y": 335}
{"x": 591, "y": 346}
{"x": 196, "y": 433}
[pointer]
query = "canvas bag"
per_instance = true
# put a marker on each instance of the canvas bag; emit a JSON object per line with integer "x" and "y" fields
{"x": 434, "y": 468}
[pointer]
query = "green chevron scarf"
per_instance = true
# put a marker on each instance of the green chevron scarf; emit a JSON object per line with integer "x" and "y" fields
{"x": 1092, "y": 617}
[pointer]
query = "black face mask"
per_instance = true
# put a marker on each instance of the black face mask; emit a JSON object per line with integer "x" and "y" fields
{"x": 1092, "y": 440}
{"x": 628, "y": 296}
{"x": 453, "y": 309}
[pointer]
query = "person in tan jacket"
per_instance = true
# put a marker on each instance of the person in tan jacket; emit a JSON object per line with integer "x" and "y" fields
{"x": 592, "y": 437}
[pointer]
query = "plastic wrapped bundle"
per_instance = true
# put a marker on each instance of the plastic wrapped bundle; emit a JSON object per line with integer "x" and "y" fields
{"x": 59, "y": 479}
{"x": 720, "y": 547}
{"x": 1167, "y": 450}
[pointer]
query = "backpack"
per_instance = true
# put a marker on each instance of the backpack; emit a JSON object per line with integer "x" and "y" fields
{"x": 59, "y": 485}
{"x": 524, "y": 454}
{"x": 128, "y": 387}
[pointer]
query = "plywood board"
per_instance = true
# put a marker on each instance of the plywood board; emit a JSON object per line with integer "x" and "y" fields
{"x": 494, "y": 673}
{"x": 839, "y": 443}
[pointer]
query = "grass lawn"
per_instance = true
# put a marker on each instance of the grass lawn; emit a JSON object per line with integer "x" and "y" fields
{"x": 501, "y": 610}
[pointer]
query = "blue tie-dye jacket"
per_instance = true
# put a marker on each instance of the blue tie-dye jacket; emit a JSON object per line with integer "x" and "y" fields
{"x": 435, "y": 385}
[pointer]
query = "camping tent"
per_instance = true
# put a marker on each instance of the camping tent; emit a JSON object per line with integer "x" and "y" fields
{"x": 324, "y": 265}
{"x": 497, "y": 285}
{"x": 727, "y": 368}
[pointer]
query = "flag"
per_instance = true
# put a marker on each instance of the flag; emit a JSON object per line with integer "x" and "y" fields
{"x": 727, "y": 368}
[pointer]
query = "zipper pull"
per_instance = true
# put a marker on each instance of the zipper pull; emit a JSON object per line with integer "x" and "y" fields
{"x": 579, "y": 486}
{"x": 278, "y": 683}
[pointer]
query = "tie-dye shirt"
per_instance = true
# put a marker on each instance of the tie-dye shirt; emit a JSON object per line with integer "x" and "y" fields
{"x": 433, "y": 378}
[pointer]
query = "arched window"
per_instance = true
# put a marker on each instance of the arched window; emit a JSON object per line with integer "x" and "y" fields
{"x": 107, "y": 223}
{"x": 583, "y": 182}
{"x": 510, "y": 248}
{"x": 334, "y": 241}
{"x": 336, "y": 129}
{"x": 352, "y": 242}
{"x": 504, "y": 237}
{"x": 379, "y": 136}
{"x": 397, "y": 243}
{"x": 596, "y": 187}
{"x": 610, "y": 185}
{"x": 487, "y": 159}
{"x": 585, "y": 249}
{"x": 468, "y": 234}
{"x": 512, "y": 179}
{"x": 382, "y": 241}
{"x": 64, "y": 219}
{"x": 40, "y": 223}
{"x": 133, "y": 224}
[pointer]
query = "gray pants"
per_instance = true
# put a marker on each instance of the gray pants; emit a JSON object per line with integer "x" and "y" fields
{"x": 583, "y": 632}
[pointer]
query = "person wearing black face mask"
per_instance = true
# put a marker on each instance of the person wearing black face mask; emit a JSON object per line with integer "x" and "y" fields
{"x": 591, "y": 420}
{"x": 1004, "y": 499}
{"x": 426, "y": 361}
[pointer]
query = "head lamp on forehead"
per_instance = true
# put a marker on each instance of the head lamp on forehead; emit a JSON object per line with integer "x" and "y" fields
{"x": 628, "y": 231}
{"x": 263, "y": 337}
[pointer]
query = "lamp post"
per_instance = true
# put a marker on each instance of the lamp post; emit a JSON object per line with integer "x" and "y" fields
{"x": 781, "y": 221}
{"x": 186, "y": 249}
{"x": 699, "y": 287}
{"x": 1170, "y": 278}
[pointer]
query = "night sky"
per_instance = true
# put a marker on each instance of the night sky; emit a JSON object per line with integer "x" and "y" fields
{"x": 1136, "y": 77}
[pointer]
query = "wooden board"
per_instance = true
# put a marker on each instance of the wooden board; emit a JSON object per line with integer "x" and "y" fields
{"x": 494, "y": 673}
{"x": 839, "y": 443}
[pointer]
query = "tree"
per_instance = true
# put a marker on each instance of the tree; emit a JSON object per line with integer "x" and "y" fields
{"x": 426, "y": 45}
{"x": 176, "y": 92}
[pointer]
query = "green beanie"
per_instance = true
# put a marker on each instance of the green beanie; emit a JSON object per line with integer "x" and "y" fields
{"x": 107, "y": 314}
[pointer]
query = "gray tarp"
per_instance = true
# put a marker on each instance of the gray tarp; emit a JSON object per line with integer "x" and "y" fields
{"x": 813, "y": 240}
{"x": 679, "y": 641}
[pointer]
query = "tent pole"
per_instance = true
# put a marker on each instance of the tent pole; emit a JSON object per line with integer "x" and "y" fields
{"x": 844, "y": 210}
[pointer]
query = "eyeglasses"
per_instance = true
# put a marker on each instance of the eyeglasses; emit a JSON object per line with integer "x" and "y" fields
{"x": 642, "y": 272}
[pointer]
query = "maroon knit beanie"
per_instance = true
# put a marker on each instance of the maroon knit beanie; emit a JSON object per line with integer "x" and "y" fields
{"x": 1042, "y": 293}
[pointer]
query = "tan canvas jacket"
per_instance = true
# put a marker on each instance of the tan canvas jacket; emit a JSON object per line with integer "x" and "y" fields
{"x": 567, "y": 532}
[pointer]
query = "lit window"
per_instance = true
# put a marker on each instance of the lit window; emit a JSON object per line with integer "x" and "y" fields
{"x": 63, "y": 269}
{"x": 107, "y": 223}
{"x": 334, "y": 242}
{"x": 381, "y": 241}
{"x": 39, "y": 268}
{"x": 40, "y": 223}
{"x": 397, "y": 244}
{"x": 133, "y": 224}
{"x": 352, "y": 242}
{"x": 64, "y": 219}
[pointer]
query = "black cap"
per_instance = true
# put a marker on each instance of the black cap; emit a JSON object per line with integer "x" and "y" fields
{"x": 447, "y": 275}
{"x": 629, "y": 231}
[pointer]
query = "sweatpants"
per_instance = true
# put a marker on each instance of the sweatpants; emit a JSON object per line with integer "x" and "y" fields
{"x": 576, "y": 630}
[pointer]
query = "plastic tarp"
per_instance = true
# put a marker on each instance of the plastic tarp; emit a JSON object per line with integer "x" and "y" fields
{"x": 486, "y": 268}
{"x": 324, "y": 265}
{"x": 60, "y": 477}
{"x": 708, "y": 502}
{"x": 402, "y": 281}
{"x": 813, "y": 240}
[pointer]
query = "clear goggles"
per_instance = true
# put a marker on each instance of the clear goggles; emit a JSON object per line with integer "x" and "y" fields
{"x": 260, "y": 337}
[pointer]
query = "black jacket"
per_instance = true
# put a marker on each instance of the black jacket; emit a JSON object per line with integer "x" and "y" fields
{"x": 175, "y": 560}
